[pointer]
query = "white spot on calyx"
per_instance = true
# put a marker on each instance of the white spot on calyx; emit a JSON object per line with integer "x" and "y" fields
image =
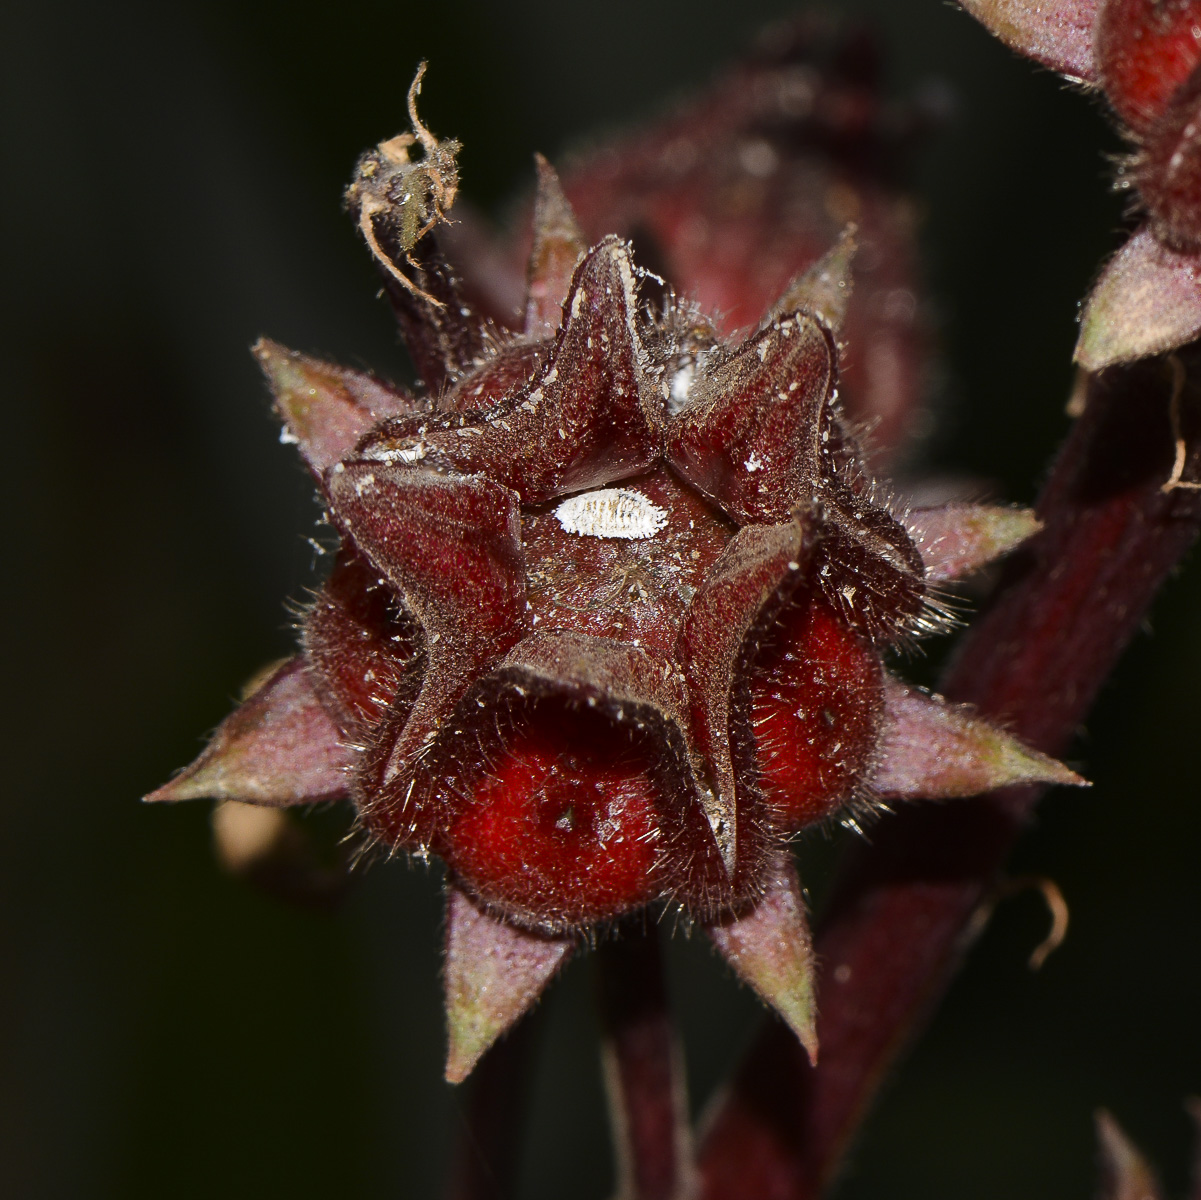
{"x": 681, "y": 386}
{"x": 611, "y": 513}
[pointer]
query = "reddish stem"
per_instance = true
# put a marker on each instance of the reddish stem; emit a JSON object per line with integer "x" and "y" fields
{"x": 896, "y": 927}
{"x": 644, "y": 1073}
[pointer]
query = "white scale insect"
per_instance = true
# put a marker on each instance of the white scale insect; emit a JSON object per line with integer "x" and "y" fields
{"x": 611, "y": 513}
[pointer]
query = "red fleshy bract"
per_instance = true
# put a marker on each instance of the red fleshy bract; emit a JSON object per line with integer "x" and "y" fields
{"x": 1146, "y": 51}
{"x": 1167, "y": 170}
{"x": 362, "y": 645}
{"x": 815, "y": 692}
{"x": 565, "y": 822}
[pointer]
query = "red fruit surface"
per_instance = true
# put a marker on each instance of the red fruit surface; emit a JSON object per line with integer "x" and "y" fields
{"x": 565, "y": 822}
{"x": 363, "y": 649}
{"x": 816, "y": 698}
{"x": 1146, "y": 51}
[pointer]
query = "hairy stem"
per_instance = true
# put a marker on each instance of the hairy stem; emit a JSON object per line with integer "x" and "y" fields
{"x": 644, "y": 1075}
{"x": 896, "y": 928}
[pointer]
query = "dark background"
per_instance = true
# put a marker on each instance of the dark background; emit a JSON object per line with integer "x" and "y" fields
{"x": 172, "y": 180}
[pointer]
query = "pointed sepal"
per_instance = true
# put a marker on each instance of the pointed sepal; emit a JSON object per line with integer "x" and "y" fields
{"x": 279, "y": 748}
{"x": 1056, "y": 33}
{"x": 824, "y": 289}
{"x": 1147, "y": 301}
{"x": 494, "y": 973}
{"x": 325, "y": 409}
{"x": 770, "y": 948}
{"x": 1125, "y": 1174}
{"x": 940, "y": 751}
{"x": 558, "y": 247}
{"x": 956, "y": 539}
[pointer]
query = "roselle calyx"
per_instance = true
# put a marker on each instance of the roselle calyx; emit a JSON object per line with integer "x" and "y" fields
{"x": 605, "y": 630}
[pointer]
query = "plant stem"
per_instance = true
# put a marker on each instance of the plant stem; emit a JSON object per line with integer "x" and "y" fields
{"x": 896, "y": 927}
{"x": 643, "y": 1069}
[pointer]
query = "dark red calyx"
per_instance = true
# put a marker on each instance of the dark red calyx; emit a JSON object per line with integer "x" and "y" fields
{"x": 1146, "y": 51}
{"x": 451, "y": 547}
{"x": 567, "y": 787}
{"x": 811, "y": 712}
{"x": 870, "y": 571}
{"x": 364, "y": 650}
{"x": 749, "y": 432}
{"x": 591, "y": 415}
{"x": 507, "y": 372}
{"x": 1167, "y": 171}
{"x": 757, "y": 572}
{"x": 621, "y": 562}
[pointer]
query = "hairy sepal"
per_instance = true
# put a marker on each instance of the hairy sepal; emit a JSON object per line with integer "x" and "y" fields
{"x": 957, "y": 539}
{"x": 280, "y": 747}
{"x": 1056, "y": 33}
{"x": 558, "y": 247}
{"x": 934, "y": 750}
{"x": 325, "y": 409}
{"x": 769, "y": 946}
{"x": 1147, "y": 301}
{"x": 494, "y": 972}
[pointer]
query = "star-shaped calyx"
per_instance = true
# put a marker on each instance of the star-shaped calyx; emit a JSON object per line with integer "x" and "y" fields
{"x": 605, "y": 629}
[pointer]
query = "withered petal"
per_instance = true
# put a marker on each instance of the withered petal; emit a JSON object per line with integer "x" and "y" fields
{"x": 940, "y": 751}
{"x": 494, "y": 973}
{"x": 280, "y": 747}
{"x": 770, "y": 947}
